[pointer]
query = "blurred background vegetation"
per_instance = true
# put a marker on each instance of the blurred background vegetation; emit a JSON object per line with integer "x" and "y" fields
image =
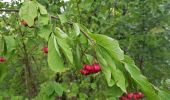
{"x": 142, "y": 28}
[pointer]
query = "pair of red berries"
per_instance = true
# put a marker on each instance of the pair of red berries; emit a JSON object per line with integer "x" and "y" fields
{"x": 88, "y": 69}
{"x": 131, "y": 96}
{"x": 45, "y": 50}
{"x": 2, "y": 59}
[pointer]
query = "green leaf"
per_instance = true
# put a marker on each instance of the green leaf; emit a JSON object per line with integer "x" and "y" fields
{"x": 1, "y": 45}
{"x": 44, "y": 32}
{"x": 116, "y": 73}
{"x": 111, "y": 45}
{"x": 114, "y": 91}
{"x": 164, "y": 95}
{"x": 84, "y": 29}
{"x": 3, "y": 71}
{"x": 135, "y": 73}
{"x": 43, "y": 20}
{"x": 77, "y": 56}
{"x": 10, "y": 43}
{"x": 105, "y": 68}
{"x": 82, "y": 96}
{"x": 60, "y": 33}
{"x": 49, "y": 88}
{"x": 28, "y": 12}
{"x": 66, "y": 48}
{"x": 42, "y": 9}
{"x": 62, "y": 18}
{"x": 54, "y": 60}
{"x": 76, "y": 28}
{"x": 58, "y": 89}
{"x": 62, "y": 40}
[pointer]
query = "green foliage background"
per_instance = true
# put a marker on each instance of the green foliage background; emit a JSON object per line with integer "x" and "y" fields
{"x": 140, "y": 26}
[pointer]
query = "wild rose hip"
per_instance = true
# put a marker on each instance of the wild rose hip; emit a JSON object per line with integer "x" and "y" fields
{"x": 45, "y": 49}
{"x": 2, "y": 59}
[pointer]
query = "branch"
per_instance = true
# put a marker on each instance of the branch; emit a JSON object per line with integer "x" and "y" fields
{"x": 87, "y": 36}
{"x": 17, "y": 10}
{"x": 9, "y": 10}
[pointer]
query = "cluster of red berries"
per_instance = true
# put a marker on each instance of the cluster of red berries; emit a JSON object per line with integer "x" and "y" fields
{"x": 132, "y": 96}
{"x": 2, "y": 59}
{"x": 90, "y": 69}
{"x": 24, "y": 23}
{"x": 45, "y": 50}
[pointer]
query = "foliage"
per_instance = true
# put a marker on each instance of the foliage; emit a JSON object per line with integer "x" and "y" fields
{"x": 82, "y": 33}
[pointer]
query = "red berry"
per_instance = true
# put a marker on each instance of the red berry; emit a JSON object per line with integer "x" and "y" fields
{"x": 123, "y": 98}
{"x": 2, "y": 59}
{"x": 96, "y": 67}
{"x": 45, "y": 49}
{"x": 84, "y": 72}
{"x": 24, "y": 23}
{"x": 140, "y": 95}
{"x": 130, "y": 95}
{"x": 88, "y": 68}
{"x": 135, "y": 96}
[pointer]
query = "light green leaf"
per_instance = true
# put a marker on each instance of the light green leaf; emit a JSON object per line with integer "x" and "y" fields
{"x": 105, "y": 68}
{"x": 62, "y": 18}
{"x": 135, "y": 73}
{"x": 44, "y": 32}
{"x": 54, "y": 60}
{"x": 43, "y": 20}
{"x": 84, "y": 29}
{"x": 28, "y": 12}
{"x": 116, "y": 73}
{"x": 42, "y": 9}
{"x": 66, "y": 48}
{"x": 10, "y": 43}
{"x": 111, "y": 45}
{"x": 76, "y": 28}
{"x": 58, "y": 89}
{"x": 60, "y": 33}
{"x": 63, "y": 43}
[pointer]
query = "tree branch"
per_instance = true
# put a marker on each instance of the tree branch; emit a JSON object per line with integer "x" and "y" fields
{"x": 17, "y": 10}
{"x": 9, "y": 10}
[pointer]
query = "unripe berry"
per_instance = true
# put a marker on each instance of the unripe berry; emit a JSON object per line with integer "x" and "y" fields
{"x": 24, "y": 23}
{"x": 45, "y": 49}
